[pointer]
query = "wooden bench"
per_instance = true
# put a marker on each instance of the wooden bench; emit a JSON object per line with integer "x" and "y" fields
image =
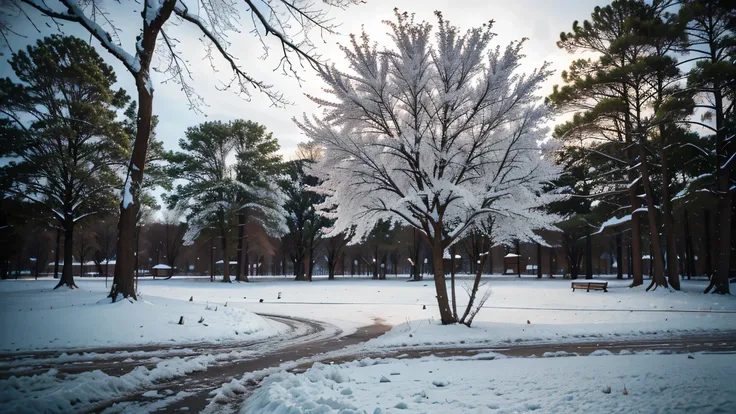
{"x": 588, "y": 286}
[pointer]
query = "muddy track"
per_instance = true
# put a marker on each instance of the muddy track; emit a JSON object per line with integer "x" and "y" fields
{"x": 198, "y": 385}
{"x": 120, "y": 360}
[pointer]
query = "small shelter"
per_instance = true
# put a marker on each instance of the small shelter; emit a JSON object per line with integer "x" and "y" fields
{"x": 512, "y": 264}
{"x": 161, "y": 270}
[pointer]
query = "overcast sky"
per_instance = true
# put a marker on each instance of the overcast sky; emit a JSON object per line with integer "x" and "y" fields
{"x": 540, "y": 21}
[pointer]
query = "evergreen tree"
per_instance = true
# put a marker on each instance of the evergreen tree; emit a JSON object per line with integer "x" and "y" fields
{"x": 258, "y": 165}
{"x": 302, "y": 219}
{"x": 711, "y": 29}
{"x": 629, "y": 102}
{"x": 213, "y": 195}
{"x": 64, "y": 109}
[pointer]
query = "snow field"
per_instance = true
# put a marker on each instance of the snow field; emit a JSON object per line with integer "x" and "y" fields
{"x": 33, "y": 316}
{"x": 518, "y": 310}
{"x": 526, "y": 309}
{"x": 590, "y": 384}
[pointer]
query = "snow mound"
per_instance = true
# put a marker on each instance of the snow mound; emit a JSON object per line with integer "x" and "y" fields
{"x": 51, "y": 392}
{"x": 437, "y": 385}
{"x": 316, "y": 391}
{"x": 556, "y": 354}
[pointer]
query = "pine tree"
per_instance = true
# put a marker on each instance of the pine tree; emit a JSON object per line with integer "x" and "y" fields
{"x": 258, "y": 166}
{"x": 303, "y": 221}
{"x": 629, "y": 102}
{"x": 213, "y": 195}
{"x": 65, "y": 109}
{"x": 711, "y": 29}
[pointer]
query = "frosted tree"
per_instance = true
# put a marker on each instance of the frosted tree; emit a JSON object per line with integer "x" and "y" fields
{"x": 438, "y": 132}
{"x": 290, "y": 22}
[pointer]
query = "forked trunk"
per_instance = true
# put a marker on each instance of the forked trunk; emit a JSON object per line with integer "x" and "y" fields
{"x": 476, "y": 283}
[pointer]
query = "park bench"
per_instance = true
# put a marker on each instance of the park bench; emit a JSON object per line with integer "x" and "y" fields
{"x": 588, "y": 286}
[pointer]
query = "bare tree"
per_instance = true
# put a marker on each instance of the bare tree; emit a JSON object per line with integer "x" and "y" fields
{"x": 289, "y": 21}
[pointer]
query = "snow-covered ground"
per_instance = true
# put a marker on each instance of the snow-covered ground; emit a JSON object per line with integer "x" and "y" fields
{"x": 526, "y": 309}
{"x": 34, "y": 316}
{"x": 588, "y": 384}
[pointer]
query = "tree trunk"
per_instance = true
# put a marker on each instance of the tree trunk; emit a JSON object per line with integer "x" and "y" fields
{"x": 56, "y": 254}
{"x": 299, "y": 269}
{"x": 619, "y": 256}
{"x": 331, "y": 269}
{"x": 239, "y": 253}
{"x": 123, "y": 282}
{"x": 452, "y": 281}
{"x": 719, "y": 282}
{"x": 655, "y": 255}
{"x": 539, "y": 261}
{"x": 310, "y": 264}
{"x": 439, "y": 277}
{"x": 689, "y": 252}
{"x": 476, "y": 284}
{"x": 588, "y": 253}
{"x": 375, "y": 263}
{"x": 669, "y": 227}
{"x": 246, "y": 261}
{"x": 225, "y": 258}
{"x": 551, "y": 262}
{"x": 81, "y": 256}
{"x": 708, "y": 255}
{"x": 630, "y": 262}
{"x": 518, "y": 258}
{"x": 415, "y": 255}
{"x": 67, "y": 278}
{"x": 490, "y": 258}
{"x": 574, "y": 267}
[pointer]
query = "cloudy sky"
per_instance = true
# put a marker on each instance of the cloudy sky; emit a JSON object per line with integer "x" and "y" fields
{"x": 540, "y": 21}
